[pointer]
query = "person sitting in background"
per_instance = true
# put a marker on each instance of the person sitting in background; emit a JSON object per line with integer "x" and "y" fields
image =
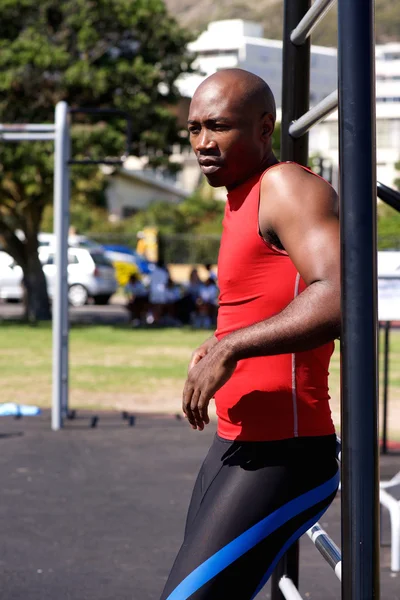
{"x": 173, "y": 295}
{"x": 193, "y": 287}
{"x": 207, "y": 304}
{"x": 138, "y": 299}
{"x": 210, "y": 272}
{"x": 158, "y": 282}
{"x": 186, "y": 306}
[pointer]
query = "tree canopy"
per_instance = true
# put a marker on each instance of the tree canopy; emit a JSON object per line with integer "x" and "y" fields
{"x": 125, "y": 54}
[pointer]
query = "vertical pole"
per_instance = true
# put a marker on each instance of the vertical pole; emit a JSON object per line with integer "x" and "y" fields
{"x": 295, "y": 102}
{"x": 295, "y": 82}
{"x": 60, "y": 299}
{"x": 360, "y": 452}
{"x": 385, "y": 386}
{"x": 288, "y": 565}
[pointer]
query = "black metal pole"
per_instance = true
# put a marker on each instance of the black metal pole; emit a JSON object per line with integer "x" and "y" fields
{"x": 360, "y": 452}
{"x": 389, "y": 196}
{"x": 288, "y": 565}
{"x": 385, "y": 386}
{"x": 295, "y": 103}
{"x": 295, "y": 82}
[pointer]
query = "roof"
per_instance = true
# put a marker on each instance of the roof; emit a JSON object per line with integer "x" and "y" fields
{"x": 150, "y": 179}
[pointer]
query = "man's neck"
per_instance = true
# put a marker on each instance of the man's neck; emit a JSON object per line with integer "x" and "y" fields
{"x": 267, "y": 162}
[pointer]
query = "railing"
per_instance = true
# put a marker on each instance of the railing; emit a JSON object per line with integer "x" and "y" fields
{"x": 356, "y": 100}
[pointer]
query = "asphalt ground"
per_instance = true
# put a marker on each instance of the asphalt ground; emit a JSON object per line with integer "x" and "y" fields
{"x": 90, "y": 314}
{"x": 99, "y": 513}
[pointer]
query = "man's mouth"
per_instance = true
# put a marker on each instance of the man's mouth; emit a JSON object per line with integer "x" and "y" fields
{"x": 209, "y": 166}
{"x": 209, "y": 169}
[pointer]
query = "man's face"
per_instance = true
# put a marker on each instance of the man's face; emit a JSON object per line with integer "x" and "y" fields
{"x": 226, "y": 136}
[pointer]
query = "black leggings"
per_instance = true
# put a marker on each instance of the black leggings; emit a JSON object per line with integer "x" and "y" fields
{"x": 251, "y": 501}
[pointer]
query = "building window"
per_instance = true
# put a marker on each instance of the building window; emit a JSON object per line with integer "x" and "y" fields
{"x": 385, "y": 130}
{"x": 333, "y": 131}
{"x": 392, "y": 56}
{"x": 128, "y": 211}
{"x": 388, "y": 99}
{"x": 217, "y": 52}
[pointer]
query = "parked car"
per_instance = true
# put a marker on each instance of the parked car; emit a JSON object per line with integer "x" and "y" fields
{"x": 74, "y": 240}
{"x": 121, "y": 253}
{"x": 90, "y": 275}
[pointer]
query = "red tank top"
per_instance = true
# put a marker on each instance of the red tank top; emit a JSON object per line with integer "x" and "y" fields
{"x": 270, "y": 397}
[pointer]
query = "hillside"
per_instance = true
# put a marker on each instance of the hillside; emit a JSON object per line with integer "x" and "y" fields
{"x": 196, "y": 15}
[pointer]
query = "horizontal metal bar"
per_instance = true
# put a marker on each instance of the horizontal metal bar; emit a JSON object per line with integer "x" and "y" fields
{"x": 107, "y": 161}
{"x": 389, "y": 196}
{"x": 26, "y": 137}
{"x": 310, "y": 20}
{"x": 327, "y": 548}
{"x": 99, "y": 111}
{"x": 314, "y": 115}
{"x": 14, "y": 127}
{"x": 338, "y": 448}
{"x": 288, "y": 589}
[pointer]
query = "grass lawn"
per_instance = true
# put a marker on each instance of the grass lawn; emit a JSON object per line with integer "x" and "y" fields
{"x": 121, "y": 368}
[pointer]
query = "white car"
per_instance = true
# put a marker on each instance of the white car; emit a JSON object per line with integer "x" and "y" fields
{"x": 90, "y": 275}
{"x": 48, "y": 240}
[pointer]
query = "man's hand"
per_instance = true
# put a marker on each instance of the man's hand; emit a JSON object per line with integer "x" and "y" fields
{"x": 207, "y": 375}
{"x": 201, "y": 351}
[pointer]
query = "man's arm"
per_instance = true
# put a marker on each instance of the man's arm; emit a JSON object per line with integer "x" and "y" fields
{"x": 301, "y": 210}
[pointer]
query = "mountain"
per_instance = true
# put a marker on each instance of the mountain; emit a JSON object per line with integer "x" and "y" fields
{"x": 196, "y": 15}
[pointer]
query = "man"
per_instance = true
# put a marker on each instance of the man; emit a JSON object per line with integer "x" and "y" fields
{"x": 271, "y": 471}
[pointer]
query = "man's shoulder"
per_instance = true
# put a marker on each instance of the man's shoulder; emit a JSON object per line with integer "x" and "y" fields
{"x": 289, "y": 173}
{"x": 289, "y": 180}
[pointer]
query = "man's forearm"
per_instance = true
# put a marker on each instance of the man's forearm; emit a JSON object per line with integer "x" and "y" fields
{"x": 311, "y": 320}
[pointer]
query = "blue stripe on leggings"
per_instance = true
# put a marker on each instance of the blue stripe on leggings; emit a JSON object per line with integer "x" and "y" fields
{"x": 305, "y": 527}
{"x": 244, "y": 542}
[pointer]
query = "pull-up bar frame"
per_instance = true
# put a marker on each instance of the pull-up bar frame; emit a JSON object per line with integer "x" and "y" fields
{"x": 357, "y": 157}
{"x": 59, "y": 132}
{"x": 310, "y": 20}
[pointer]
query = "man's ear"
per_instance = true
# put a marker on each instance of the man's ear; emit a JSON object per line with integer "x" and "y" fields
{"x": 268, "y": 126}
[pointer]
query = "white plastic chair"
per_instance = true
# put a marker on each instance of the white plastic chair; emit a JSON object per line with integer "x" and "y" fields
{"x": 390, "y": 499}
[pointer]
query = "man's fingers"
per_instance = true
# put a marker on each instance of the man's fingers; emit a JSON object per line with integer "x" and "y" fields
{"x": 203, "y": 408}
{"x": 195, "y": 409}
{"x": 187, "y": 397}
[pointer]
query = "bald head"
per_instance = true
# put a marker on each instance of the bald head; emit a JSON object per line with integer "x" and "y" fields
{"x": 231, "y": 122}
{"x": 250, "y": 91}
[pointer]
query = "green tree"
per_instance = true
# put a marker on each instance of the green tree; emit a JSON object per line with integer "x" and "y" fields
{"x": 388, "y": 228}
{"x": 389, "y": 223}
{"x": 276, "y": 140}
{"x": 199, "y": 213}
{"x": 125, "y": 54}
{"x": 397, "y": 180}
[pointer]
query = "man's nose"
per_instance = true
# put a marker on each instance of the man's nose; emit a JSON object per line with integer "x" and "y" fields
{"x": 205, "y": 141}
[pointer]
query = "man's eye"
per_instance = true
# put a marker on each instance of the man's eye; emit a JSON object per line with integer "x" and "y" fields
{"x": 194, "y": 130}
{"x": 221, "y": 127}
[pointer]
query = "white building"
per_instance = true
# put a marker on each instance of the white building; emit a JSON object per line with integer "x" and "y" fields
{"x": 324, "y": 138}
{"x": 134, "y": 188}
{"x": 240, "y": 44}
